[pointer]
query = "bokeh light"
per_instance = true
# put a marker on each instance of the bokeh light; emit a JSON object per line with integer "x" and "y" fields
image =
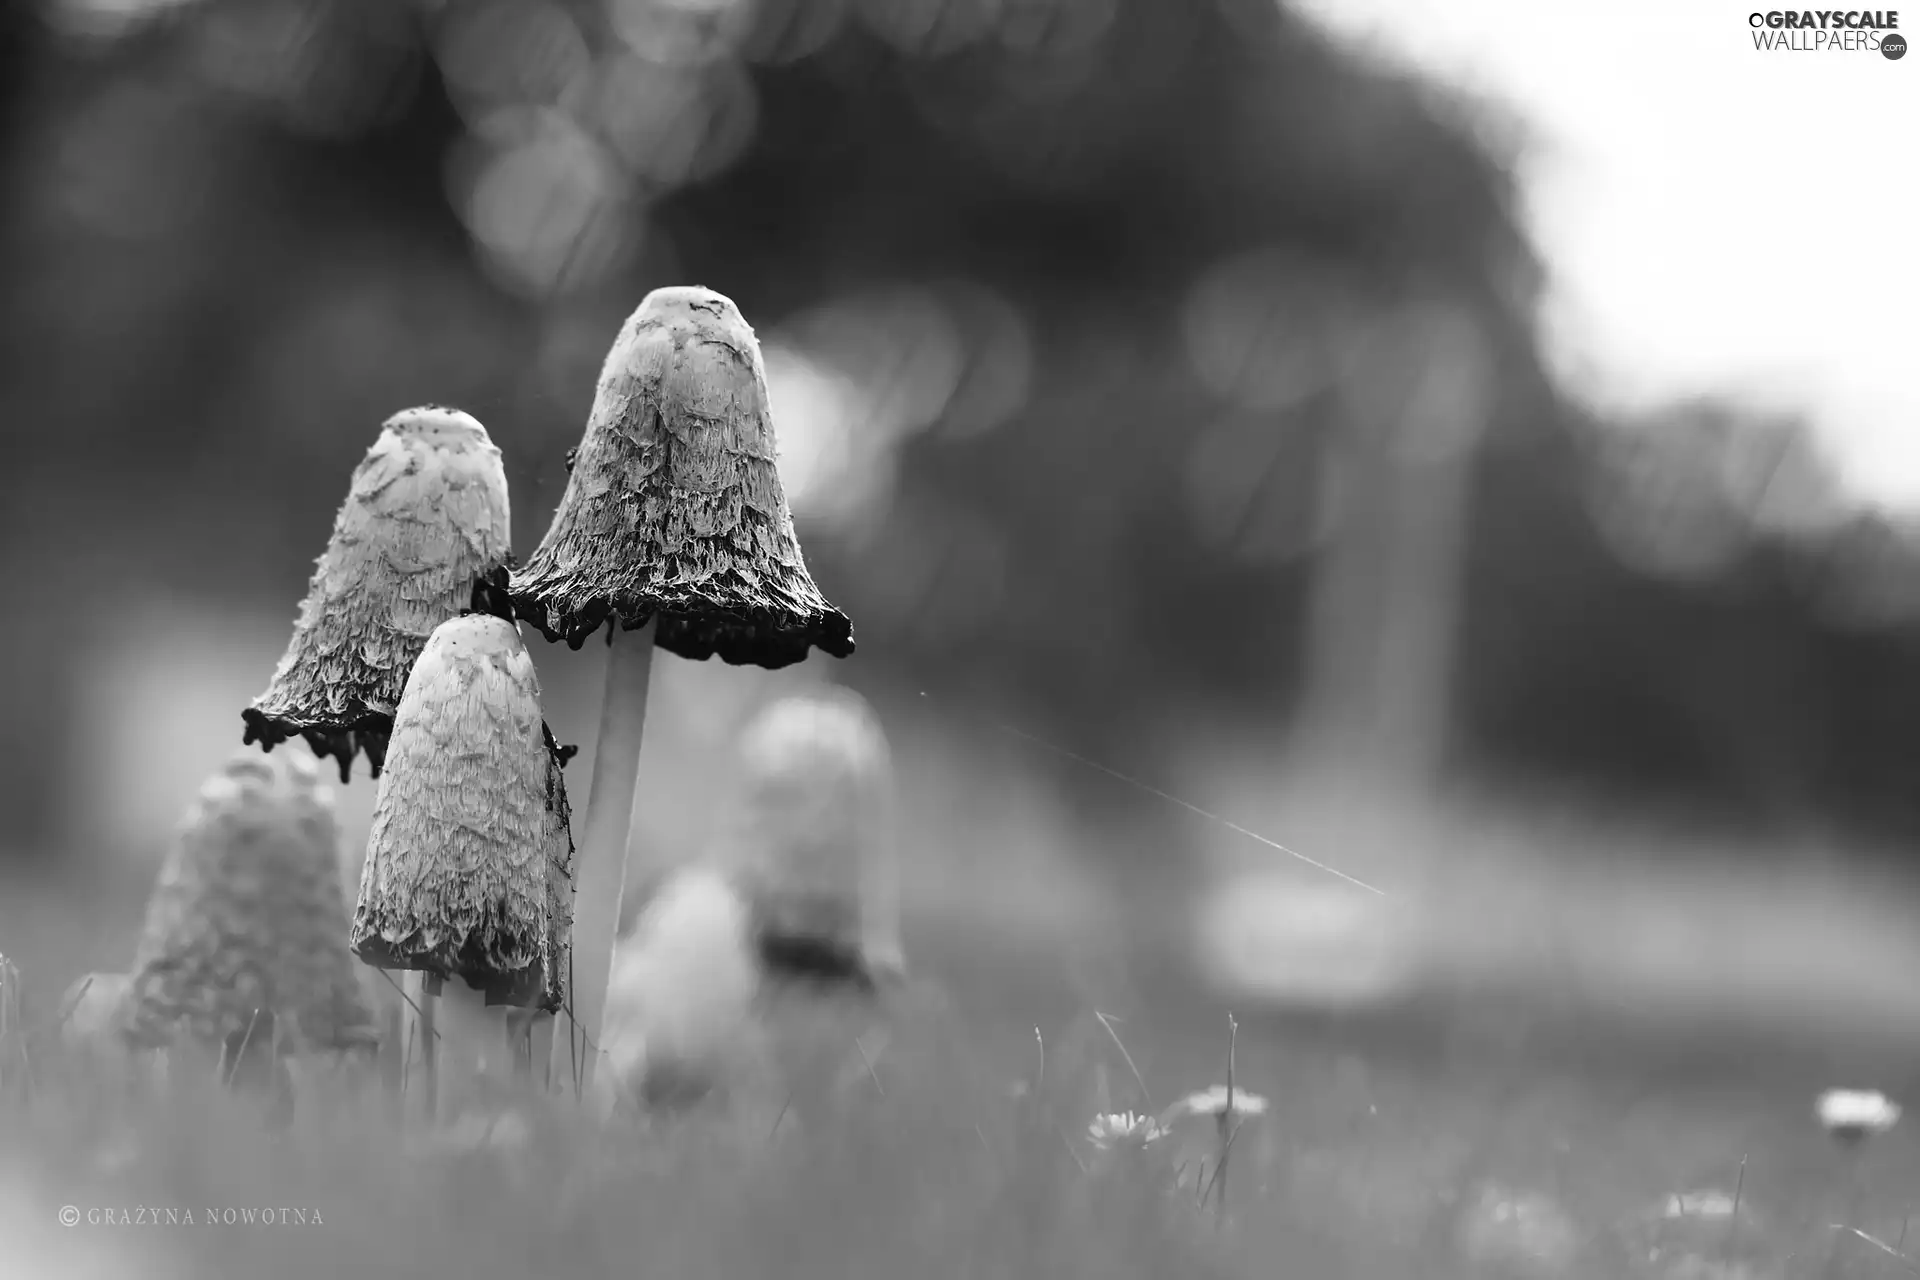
{"x": 1271, "y": 329}
{"x": 673, "y": 123}
{"x": 1658, "y": 502}
{"x": 1684, "y": 493}
{"x": 900, "y": 345}
{"x": 785, "y": 31}
{"x": 998, "y": 353}
{"x": 1420, "y": 381}
{"x": 100, "y": 22}
{"x": 1307, "y": 944}
{"x": 330, "y": 69}
{"x": 545, "y": 203}
{"x": 495, "y": 53}
{"x": 853, "y": 378}
{"x": 681, "y": 32}
{"x": 1774, "y": 470}
{"x": 827, "y": 466}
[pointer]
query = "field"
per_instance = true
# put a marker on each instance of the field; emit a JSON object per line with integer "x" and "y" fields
{"x": 1388, "y": 1150}
{"x": 1579, "y": 1049}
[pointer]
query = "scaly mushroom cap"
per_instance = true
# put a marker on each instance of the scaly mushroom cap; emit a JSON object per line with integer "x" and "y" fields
{"x": 811, "y": 843}
{"x": 426, "y": 518}
{"x": 674, "y": 504}
{"x": 247, "y": 917}
{"x": 469, "y": 869}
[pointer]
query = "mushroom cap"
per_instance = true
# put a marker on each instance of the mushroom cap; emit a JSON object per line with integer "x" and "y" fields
{"x": 247, "y": 916}
{"x": 680, "y": 1004}
{"x": 427, "y": 516}
{"x": 674, "y": 504}
{"x": 697, "y": 1010}
{"x": 469, "y": 869}
{"x": 811, "y": 840}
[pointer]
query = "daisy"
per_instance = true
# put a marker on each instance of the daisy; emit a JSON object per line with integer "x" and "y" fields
{"x": 1121, "y": 1127}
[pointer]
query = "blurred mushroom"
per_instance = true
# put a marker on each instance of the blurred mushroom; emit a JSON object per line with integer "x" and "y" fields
{"x": 813, "y": 841}
{"x": 425, "y": 521}
{"x": 1850, "y": 1117}
{"x": 241, "y": 949}
{"x": 680, "y": 1003}
{"x": 1853, "y": 1114}
{"x": 773, "y": 952}
{"x": 468, "y": 877}
{"x": 673, "y": 525}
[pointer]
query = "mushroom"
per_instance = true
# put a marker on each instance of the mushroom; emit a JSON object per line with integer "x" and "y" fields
{"x": 774, "y": 950}
{"x": 812, "y": 840}
{"x": 1850, "y": 1117}
{"x": 674, "y": 528}
{"x": 680, "y": 1004}
{"x": 468, "y": 876}
{"x": 241, "y": 949}
{"x": 425, "y": 524}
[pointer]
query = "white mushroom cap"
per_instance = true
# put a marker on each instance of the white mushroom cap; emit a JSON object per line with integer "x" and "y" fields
{"x": 674, "y": 505}
{"x": 247, "y": 916}
{"x": 1860, "y": 1111}
{"x": 814, "y": 837}
{"x": 426, "y": 516}
{"x": 469, "y": 858}
{"x": 680, "y": 1005}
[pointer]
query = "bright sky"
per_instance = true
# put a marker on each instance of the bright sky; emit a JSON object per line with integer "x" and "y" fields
{"x": 1715, "y": 218}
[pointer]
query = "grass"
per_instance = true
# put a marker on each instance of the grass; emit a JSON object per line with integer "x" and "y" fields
{"x": 968, "y": 1156}
{"x": 921, "y": 1179}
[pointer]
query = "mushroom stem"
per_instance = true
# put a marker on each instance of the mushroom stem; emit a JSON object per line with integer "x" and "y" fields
{"x": 472, "y": 1049}
{"x": 393, "y": 1041}
{"x": 600, "y": 877}
{"x": 539, "y": 1051}
{"x": 429, "y": 1048}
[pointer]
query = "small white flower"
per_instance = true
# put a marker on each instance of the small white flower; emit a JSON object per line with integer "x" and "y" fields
{"x": 1212, "y": 1103}
{"x": 1121, "y": 1127}
{"x": 1854, "y": 1113}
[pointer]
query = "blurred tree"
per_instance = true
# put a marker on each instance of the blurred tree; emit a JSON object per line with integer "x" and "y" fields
{"x": 1173, "y": 361}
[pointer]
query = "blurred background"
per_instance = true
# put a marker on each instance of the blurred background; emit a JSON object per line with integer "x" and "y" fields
{"x": 1172, "y": 393}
